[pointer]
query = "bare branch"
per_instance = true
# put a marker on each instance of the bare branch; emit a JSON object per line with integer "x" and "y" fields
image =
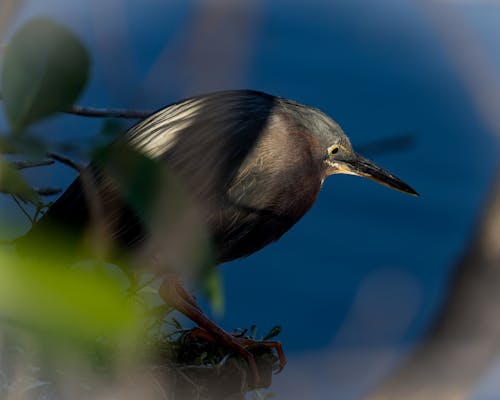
{"x": 66, "y": 161}
{"x": 108, "y": 112}
{"x": 23, "y": 210}
{"x": 48, "y": 191}
{"x": 31, "y": 164}
{"x": 105, "y": 112}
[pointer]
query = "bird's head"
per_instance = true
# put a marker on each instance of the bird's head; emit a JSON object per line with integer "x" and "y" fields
{"x": 336, "y": 154}
{"x": 340, "y": 158}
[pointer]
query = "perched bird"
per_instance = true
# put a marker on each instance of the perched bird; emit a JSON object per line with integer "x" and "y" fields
{"x": 254, "y": 164}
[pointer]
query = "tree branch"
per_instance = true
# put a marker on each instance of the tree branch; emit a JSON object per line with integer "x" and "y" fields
{"x": 48, "y": 191}
{"x": 66, "y": 161}
{"x": 105, "y": 112}
{"x": 31, "y": 164}
{"x": 108, "y": 112}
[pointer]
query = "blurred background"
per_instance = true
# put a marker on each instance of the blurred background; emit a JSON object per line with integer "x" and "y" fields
{"x": 356, "y": 283}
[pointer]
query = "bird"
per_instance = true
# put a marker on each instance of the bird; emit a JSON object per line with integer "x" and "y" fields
{"x": 253, "y": 163}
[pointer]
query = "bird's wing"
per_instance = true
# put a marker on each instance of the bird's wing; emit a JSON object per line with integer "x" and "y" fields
{"x": 204, "y": 140}
{"x": 69, "y": 218}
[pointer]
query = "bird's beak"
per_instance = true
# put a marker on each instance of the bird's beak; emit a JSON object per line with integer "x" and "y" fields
{"x": 358, "y": 165}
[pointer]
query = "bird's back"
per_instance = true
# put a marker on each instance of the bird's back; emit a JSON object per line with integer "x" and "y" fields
{"x": 236, "y": 156}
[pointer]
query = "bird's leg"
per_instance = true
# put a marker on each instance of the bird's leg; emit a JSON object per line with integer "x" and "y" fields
{"x": 173, "y": 292}
{"x": 249, "y": 343}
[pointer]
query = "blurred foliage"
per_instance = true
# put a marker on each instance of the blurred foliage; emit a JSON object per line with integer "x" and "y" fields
{"x": 64, "y": 304}
{"x": 45, "y": 68}
{"x": 161, "y": 202}
{"x": 63, "y": 310}
{"x": 140, "y": 178}
{"x": 31, "y": 147}
{"x": 211, "y": 284}
{"x": 12, "y": 182}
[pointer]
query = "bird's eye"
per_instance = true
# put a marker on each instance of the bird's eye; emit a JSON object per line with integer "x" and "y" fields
{"x": 334, "y": 150}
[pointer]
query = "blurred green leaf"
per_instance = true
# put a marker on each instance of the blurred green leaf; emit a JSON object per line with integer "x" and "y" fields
{"x": 32, "y": 148}
{"x": 74, "y": 305}
{"x": 138, "y": 177}
{"x": 112, "y": 128}
{"x": 213, "y": 289}
{"x": 146, "y": 290}
{"x": 12, "y": 182}
{"x": 159, "y": 311}
{"x": 275, "y": 331}
{"x": 45, "y": 69}
{"x": 159, "y": 199}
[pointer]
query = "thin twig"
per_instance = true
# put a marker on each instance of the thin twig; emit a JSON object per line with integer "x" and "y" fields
{"x": 108, "y": 112}
{"x": 145, "y": 283}
{"x": 105, "y": 112}
{"x": 48, "y": 191}
{"x": 39, "y": 211}
{"x": 31, "y": 164}
{"x": 26, "y": 213}
{"x": 66, "y": 161}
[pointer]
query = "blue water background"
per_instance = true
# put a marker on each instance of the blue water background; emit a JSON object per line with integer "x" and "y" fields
{"x": 360, "y": 277}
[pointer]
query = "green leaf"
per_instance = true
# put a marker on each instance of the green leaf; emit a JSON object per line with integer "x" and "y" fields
{"x": 74, "y": 305}
{"x": 32, "y": 148}
{"x": 160, "y": 311}
{"x": 275, "y": 331}
{"x": 12, "y": 182}
{"x": 213, "y": 289}
{"x": 177, "y": 324}
{"x": 112, "y": 128}
{"x": 45, "y": 69}
{"x": 252, "y": 334}
{"x": 158, "y": 198}
{"x": 139, "y": 178}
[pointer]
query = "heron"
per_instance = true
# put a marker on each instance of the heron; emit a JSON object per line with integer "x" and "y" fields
{"x": 253, "y": 163}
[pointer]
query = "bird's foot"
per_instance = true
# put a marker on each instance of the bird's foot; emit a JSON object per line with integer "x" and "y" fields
{"x": 173, "y": 292}
{"x": 244, "y": 347}
{"x": 273, "y": 345}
